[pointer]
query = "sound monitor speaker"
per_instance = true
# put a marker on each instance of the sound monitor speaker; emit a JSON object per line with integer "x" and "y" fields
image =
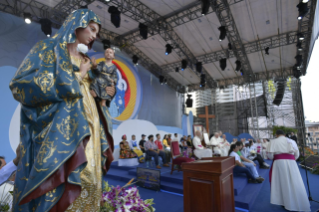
{"x": 280, "y": 92}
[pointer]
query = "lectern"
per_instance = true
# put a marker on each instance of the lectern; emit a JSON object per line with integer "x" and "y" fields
{"x": 208, "y": 185}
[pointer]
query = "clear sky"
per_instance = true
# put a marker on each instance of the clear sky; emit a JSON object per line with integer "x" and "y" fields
{"x": 310, "y": 86}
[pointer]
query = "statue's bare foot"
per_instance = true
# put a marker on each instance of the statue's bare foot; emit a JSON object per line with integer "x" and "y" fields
{"x": 93, "y": 93}
{"x": 103, "y": 102}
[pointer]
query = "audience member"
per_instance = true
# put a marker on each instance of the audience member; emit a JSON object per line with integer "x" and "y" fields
{"x": 265, "y": 145}
{"x": 125, "y": 150}
{"x": 135, "y": 147}
{"x": 189, "y": 141}
{"x": 7, "y": 170}
{"x": 240, "y": 167}
{"x": 152, "y": 150}
{"x": 234, "y": 140}
{"x": 252, "y": 155}
{"x": 214, "y": 143}
{"x": 161, "y": 148}
{"x": 248, "y": 163}
{"x": 141, "y": 143}
{"x": 200, "y": 151}
{"x": 224, "y": 144}
{"x": 167, "y": 146}
{"x": 169, "y": 139}
{"x": 175, "y": 137}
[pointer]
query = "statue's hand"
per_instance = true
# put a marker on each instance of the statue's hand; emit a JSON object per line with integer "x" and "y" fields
{"x": 85, "y": 66}
{"x": 110, "y": 90}
{"x": 17, "y": 159}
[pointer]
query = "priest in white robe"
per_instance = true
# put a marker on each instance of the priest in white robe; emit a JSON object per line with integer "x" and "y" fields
{"x": 200, "y": 151}
{"x": 287, "y": 187}
{"x": 214, "y": 141}
{"x": 224, "y": 145}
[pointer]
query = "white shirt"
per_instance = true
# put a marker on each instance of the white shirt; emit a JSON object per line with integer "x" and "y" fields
{"x": 234, "y": 154}
{"x": 197, "y": 143}
{"x": 131, "y": 144}
{"x": 6, "y": 171}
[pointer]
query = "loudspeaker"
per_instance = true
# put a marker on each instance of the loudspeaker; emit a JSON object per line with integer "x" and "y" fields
{"x": 281, "y": 84}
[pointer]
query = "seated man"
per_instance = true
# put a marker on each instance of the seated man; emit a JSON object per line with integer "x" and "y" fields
{"x": 141, "y": 143}
{"x": 161, "y": 148}
{"x": 240, "y": 167}
{"x": 250, "y": 152}
{"x": 152, "y": 150}
{"x": 200, "y": 151}
{"x": 248, "y": 163}
{"x": 224, "y": 145}
{"x": 214, "y": 142}
{"x": 6, "y": 170}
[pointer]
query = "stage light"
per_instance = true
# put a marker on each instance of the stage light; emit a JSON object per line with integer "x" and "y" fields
{"x": 161, "y": 79}
{"x": 238, "y": 65}
{"x": 143, "y": 30}
{"x": 106, "y": 44}
{"x": 305, "y": 1}
{"x": 176, "y": 69}
{"x": 189, "y": 101}
{"x": 184, "y": 64}
{"x": 84, "y": 7}
{"x": 115, "y": 16}
{"x": 168, "y": 49}
{"x": 46, "y": 26}
{"x": 222, "y": 35}
{"x": 202, "y": 80}
{"x": 230, "y": 47}
{"x": 107, "y": 0}
{"x": 135, "y": 59}
{"x": 298, "y": 60}
{"x": 27, "y": 18}
{"x": 300, "y": 36}
{"x": 242, "y": 72}
{"x": 299, "y": 46}
{"x": 267, "y": 50}
{"x": 297, "y": 73}
{"x": 205, "y": 6}
{"x": 223, "y": 63}
{"x": 302, "y": 9}
{"x": 199, "y": 67}
{"x": 165, "y": 81}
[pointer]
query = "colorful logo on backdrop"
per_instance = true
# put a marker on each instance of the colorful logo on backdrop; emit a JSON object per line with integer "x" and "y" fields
{"x": 126, "y": 103}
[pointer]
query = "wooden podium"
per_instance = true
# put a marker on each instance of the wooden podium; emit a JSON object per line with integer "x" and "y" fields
{"x": 208, "y": 185}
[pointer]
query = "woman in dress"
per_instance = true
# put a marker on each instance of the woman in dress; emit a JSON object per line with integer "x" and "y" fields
{"x": 165, "y": 142}
{"x": 66, "y": 140}
{"x": 125, "y": 150}
{"x": 136, "y": 148}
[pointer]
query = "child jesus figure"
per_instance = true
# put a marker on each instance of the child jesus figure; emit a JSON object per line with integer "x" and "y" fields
{"x": 106, "y": 75}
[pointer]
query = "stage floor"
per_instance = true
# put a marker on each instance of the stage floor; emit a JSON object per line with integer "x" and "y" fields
{"x": 245, "y": 194}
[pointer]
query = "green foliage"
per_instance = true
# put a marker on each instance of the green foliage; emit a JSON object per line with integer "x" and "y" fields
{"x": 4, "y": 207}
{"x": 283, "y": 128}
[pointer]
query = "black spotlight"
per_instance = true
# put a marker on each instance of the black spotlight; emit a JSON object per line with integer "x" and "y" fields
{"x": 267, "y": 50}
{"x": 106, "y": 44}
{"x": 115, "y": 16}
{"x": 300, "y": 36}
{"x": 299, "y": 47}
{"x": 27, "y": 18}
{"x": 223, "y": 63}
{"x": 176, "y": 69}
{"x": 184, "y": 64}
{"x": 189, "y": 101}
{"x": 168, "y": 49}
{"x": 302, "y": 9}
{"x": 238, "y": 65}
{"x": 205, "y": 6}
{"x": 199, "y": 67}
{"x": 161, "y": 79}
{"x": 230, "y": 47}
{"x": 46, "y": 26}
{"x": 298, "y": 60}
{"x": 135, "y": 60}
{"x": 297, "y": 73}
{"x": 222, "y": 35}
{"x": 202, "y": 80}
{"x": 84, "y": 7}
{"x": 143, "y": 30}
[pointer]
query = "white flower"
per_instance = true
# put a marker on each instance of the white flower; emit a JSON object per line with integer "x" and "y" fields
{"x": 82, "y": 48}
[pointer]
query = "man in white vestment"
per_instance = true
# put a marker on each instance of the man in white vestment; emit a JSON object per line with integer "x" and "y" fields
{"x": 287, "y": 187}
{"x": 200, "y": 151}
{"x": 214, "y": 141}
{"x": 224, "y": 145}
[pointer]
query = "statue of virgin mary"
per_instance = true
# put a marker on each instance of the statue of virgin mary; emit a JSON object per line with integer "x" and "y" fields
{"x": 65, "y": 136}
